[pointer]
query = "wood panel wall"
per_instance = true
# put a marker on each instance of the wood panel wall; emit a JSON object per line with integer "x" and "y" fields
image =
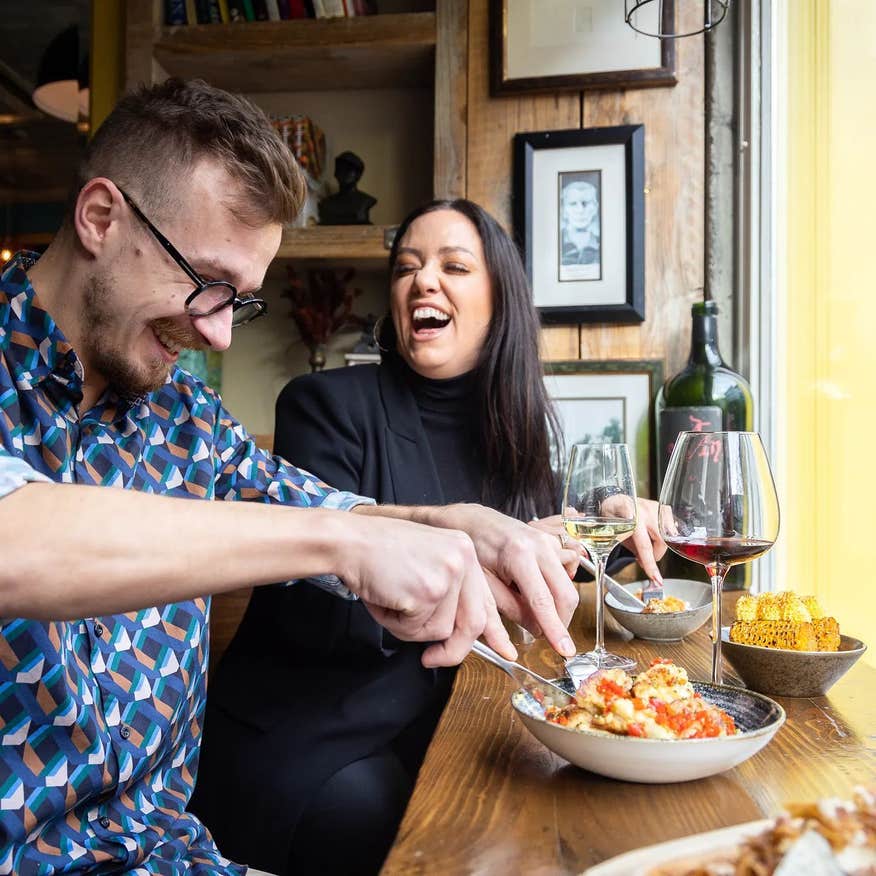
{"x": 674, "y": 142}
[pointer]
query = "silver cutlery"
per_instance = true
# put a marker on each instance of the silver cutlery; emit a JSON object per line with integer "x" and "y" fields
{"x": 545, "y": 692}
{"x": 619, "y": 593}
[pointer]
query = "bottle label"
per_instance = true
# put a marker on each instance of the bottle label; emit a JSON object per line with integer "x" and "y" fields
{"x": 701, "y": 418}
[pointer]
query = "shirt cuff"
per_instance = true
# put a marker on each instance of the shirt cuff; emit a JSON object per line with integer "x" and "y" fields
{"x": 337, "y": 501}
{"x": 15, "y": 473}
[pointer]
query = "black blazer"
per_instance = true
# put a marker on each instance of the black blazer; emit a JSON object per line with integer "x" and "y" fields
{"x": 311, "y": 682}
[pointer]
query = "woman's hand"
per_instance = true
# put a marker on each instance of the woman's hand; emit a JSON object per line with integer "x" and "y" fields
{"x": 554, "y": 526}
{"x": 645, "y": 540}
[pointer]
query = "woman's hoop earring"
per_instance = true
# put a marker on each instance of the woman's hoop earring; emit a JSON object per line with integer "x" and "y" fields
{"x": 375, "y": 333}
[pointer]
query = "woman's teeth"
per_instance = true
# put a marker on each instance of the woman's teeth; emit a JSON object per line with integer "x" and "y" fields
{"x": 429, "y": 317}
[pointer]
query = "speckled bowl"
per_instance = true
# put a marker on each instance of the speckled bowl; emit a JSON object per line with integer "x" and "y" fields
{"x": 665, "y": 627}
{"x": 790, "y": 673}
{"x": 655, "y": 761}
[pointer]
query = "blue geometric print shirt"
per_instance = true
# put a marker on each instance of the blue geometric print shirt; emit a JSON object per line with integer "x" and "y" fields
{"x": 100, "y": 719}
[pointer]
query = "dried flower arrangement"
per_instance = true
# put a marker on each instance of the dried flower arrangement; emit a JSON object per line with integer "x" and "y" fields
{"x": 322, "y": 305}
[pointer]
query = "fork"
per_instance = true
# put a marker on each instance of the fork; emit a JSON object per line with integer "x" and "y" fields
{"x": 545, "y": 692}
{"x": 652, "y": 590}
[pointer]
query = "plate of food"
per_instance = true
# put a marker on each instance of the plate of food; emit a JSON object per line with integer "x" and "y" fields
{"x": 786, "y": 645}
{"x": 655, "y": 727}
{"x": 828, "y": 838}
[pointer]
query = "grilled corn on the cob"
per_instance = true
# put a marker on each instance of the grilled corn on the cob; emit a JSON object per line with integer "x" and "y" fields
{"x": 791, "y": 635}
{"x": 784, "y": 620}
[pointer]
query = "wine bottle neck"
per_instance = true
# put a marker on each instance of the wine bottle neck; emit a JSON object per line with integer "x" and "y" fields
{"x": 704, "y": 341}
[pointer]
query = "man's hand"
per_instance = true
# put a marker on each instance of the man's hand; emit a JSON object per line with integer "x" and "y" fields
{"x": 525, "y": 568}
{"x": 423, "y": 584}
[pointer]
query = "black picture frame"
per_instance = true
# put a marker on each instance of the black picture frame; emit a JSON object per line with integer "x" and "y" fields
{"x": 503, "y": 80}
{"x": 631, "y": 385}
{"x": 617, "y": 293}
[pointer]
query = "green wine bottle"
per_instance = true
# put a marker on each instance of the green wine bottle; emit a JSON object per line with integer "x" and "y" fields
{"x": 706, "y": 395}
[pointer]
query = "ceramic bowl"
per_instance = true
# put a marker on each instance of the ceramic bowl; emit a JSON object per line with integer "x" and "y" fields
{"x": 654, "y": 761}
{"x": 790, "y": 673}
{"x": 665, "y": 627}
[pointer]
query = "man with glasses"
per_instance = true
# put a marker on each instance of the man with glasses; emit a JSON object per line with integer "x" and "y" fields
{"x": 103, "y": 642}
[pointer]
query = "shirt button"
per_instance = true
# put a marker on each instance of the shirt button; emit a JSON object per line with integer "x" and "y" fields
{"x": 104, "y": 822}
{"x": 98, "y": 630}
{"x": 124, "y": 731}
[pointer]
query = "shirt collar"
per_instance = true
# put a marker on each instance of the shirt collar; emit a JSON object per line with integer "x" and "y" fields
{"x": 36, "y": 348}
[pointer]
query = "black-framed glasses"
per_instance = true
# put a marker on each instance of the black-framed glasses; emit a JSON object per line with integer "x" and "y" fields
{"x": 209, "y": 296}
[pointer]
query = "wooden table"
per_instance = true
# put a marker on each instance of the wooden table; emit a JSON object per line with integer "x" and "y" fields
{"x": 491, "y": 799}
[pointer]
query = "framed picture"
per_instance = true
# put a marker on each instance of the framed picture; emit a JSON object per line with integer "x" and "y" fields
{"x": 579, "y": 216}
{"x": 609, "y": 402}
{"x": 556, "y": 45}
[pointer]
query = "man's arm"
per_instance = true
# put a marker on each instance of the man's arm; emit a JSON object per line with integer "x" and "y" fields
{"x": 526, "y": 568}
{"x": 81, "y": 551}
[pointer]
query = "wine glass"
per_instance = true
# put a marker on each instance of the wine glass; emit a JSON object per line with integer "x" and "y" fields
{"x": 718, "y": 507}
{"x": 599, "y": 506}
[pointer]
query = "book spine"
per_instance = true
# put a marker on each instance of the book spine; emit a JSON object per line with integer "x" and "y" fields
{"x": 249, "y": 10}
{"x": 214, "y": 13}
{"x": 191, "y": 12}
{"x": 224, "y": 11}
{"x": 174, "y": 12}
{"x": 329, "y": 8}
{"x": 285, "y": 10}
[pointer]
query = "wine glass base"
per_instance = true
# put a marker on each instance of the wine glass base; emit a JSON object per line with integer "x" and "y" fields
{"x": 582, "y": 666}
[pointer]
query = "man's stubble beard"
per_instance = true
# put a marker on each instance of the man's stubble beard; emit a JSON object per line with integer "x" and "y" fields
{"x": 125, "y": 375}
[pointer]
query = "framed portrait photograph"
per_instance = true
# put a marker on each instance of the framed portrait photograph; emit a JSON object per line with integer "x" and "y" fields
{"x": 609, "y": 402}
{"x": 574, "y": 45}
{"x": 579, "y": 217}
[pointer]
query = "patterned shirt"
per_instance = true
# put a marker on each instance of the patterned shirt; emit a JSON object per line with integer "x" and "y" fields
{"x": 100, "y": 719}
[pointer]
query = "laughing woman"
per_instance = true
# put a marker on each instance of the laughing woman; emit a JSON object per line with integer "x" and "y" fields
{"x": 318, "y": 719}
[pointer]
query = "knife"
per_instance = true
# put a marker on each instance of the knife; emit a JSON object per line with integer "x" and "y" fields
{"x": 622, "y": 596}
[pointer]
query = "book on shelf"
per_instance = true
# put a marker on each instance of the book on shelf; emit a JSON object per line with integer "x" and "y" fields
{"x": 236, "y": 12}
{"x": 191, "y": 12}
{"x": 175, "y": 12}
{"x": 273, "y": 10}
{"x": 224, "y": 11}
{"x": 329, "y": 9}
{"x": 297, "y": 9}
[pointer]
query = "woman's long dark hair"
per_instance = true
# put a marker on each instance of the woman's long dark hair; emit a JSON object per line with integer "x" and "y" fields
{"x": 518, "y": 426}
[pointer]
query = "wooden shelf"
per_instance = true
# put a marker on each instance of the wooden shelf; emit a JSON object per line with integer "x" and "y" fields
{"x": 369, "y": 51}
{"x": 336, "y": 243}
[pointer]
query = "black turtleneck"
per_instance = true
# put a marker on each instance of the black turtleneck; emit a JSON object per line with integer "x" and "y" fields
{"x": 450, "y": 416}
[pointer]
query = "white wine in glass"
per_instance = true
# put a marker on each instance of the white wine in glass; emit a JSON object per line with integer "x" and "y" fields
{"x": 718, "y": 507}
{"x": 599, "y": 509}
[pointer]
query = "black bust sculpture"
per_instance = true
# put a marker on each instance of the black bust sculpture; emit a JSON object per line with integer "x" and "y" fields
{"x": 349, "y": 206}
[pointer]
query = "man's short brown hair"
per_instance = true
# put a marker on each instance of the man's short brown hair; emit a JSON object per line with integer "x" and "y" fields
{"x": 155, "y": 134}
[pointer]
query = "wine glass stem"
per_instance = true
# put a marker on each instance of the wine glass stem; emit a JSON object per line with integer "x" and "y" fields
{"x": 716, "y": 574}
{"x": 599, "y": 566}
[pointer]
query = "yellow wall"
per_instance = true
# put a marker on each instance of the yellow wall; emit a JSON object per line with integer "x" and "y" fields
{"x": 826, "y": 464}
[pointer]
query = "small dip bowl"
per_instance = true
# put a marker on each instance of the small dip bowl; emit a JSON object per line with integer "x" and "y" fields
{"x": 665, "y": 627}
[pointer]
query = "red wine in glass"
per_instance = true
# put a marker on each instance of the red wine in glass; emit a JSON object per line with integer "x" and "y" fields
{"x": 721, "y": 551}
{"x": 718, "y": 507}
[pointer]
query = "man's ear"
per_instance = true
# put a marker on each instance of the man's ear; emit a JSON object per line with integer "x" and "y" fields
{"x": 98, "y": 209}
